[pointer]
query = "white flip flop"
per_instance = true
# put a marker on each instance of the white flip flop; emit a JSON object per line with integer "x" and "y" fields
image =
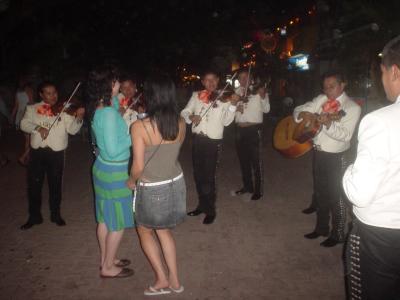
{"x": 151, "y": 291}
{"x": 178, "y": 290}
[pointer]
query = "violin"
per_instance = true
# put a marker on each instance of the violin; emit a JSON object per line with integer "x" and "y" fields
{"x": 223, "y": 97}
{"x": 136, "y": 104}
{"x": 252, "y": 90}
{"x": 70, "y": 107}
{"x": 63, "y": 106}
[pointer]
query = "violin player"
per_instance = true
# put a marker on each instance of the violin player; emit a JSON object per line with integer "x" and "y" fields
{"x": 208, "y": 116}
{"x": 48, "y": 144}
{"x": 128, "y": 103}
{"x": 249, "y": 119}
{"x": 330, "y": 145}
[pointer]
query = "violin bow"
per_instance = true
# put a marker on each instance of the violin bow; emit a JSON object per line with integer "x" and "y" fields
{"x": 65, "y": 106}
{"x": 247, "y": 82}
{"x": 218, "y": 96}
{"x": 134, "y": 101}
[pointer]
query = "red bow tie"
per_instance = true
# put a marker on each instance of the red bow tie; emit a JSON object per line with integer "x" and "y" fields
{"x": 204, "y": 96}
{"x": 331, "y": 106}
{"x": 45, "y": 109}
{"x": 124, "y": 102}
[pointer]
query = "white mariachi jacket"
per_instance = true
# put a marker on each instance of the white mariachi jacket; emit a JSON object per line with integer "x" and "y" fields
{"x": 213, "y": 121}
{"x": 254, "y": 109}
{"x": 57, "y": 139}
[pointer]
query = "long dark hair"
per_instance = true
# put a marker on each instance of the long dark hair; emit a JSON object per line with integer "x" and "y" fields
{"x": 99, "y": 86}
{"x": 160, "y": 94}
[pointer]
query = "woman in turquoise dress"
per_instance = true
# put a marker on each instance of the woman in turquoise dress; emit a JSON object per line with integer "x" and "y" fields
{"x": 113, "y": 200}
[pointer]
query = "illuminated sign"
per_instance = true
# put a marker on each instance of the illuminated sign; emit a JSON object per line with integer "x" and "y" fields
{"x": 298, "y": 62}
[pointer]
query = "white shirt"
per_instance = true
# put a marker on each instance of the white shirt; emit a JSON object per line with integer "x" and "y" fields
{"x": 130, "y": 116}
{"x": 212, "y": 124}
{"x": 254, "y": 109}
{"x": 57, "y": 139}
{"x": 337, "y": 138}
{"x": 372, "y": 183}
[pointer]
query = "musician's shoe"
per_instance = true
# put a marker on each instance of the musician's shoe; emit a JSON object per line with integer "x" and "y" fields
{"x": 209, "y": 219}
{"x": 330, "y": 242}
{"x": 194, "y": 213}
{"x": 30, "y": 224}
{"x": 314, "y": 235}
{"x": 256, "y": 196}
{"x": 242, "y": 191}
{"x": 309, "y": 210}
{"x": 58, "y": 220}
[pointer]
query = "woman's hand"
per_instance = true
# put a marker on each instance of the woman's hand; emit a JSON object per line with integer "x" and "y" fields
{"x": 115, "y": 88}
{"x": 131, "y": 184}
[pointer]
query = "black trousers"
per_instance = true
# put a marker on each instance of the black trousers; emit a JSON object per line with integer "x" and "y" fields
{"x": 44, "y": 161}
{"x": 328, "y": 193}
{"x": 248, "y": 146}
{"x": 373, "y": 263}
{"x": 205, "y": 156}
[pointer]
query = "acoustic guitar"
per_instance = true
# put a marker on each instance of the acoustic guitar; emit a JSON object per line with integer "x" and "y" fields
{"x": 293, "y": 139}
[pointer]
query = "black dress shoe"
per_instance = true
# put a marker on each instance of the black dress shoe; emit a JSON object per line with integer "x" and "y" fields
{"x": 309, "y": 210}
{"x": 58, "y": 220}
{"x": 194, "y": 213}
{"x": 242, "y": 191}
{"x": 314, "y": 235}
{"x": 330, "y": 242}
{"x": 30, "y": 224}
{"x": 256, "y": 196}
{"x": 209, "y": 219}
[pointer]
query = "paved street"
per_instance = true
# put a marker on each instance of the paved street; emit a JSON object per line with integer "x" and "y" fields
{"x": 254, "y": 250}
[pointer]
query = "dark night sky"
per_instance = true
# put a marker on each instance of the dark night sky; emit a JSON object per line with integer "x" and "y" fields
{"x": 138, "y": 33}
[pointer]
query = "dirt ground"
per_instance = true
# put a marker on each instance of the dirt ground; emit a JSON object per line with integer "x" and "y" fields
{"x": 254, "y": 250}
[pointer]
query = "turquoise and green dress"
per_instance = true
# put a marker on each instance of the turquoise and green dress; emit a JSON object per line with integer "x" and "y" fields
{"x": 110, "y": 170}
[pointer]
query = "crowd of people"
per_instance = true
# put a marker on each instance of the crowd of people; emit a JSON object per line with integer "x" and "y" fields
{"x": 138, "y": 181}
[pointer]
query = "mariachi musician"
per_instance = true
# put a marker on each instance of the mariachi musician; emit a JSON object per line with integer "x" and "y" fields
{"x": 208, "y": 114}
{"x": 249, "y": 118}
{"x": 130, "y": 105}
{"x": 49, "y": 131}
{"x": 330, "y": 144}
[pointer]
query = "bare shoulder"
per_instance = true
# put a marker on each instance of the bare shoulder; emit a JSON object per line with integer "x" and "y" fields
{"x": 137, "y": 128}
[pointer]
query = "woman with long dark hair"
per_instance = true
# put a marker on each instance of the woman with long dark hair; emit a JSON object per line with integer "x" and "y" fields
{"x": 110, "y": 172}
{"x": 158, "y": 179}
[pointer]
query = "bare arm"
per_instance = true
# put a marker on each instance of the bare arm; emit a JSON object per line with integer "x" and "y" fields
{"x": 182, "y": 129}
{"x": 138, "y": 145}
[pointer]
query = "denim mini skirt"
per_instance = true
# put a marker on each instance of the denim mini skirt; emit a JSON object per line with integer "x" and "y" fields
{"x": 161, "y": 205}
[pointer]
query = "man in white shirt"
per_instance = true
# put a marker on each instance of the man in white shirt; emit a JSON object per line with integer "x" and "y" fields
{"x": 249, "y": 119}
{"x": 329, "y": 146}
{"x": 48, "y": 146}
{"x": 372, "y": 184}
{"x": 208, "y": 119}
{"x": 129, "y": 93}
